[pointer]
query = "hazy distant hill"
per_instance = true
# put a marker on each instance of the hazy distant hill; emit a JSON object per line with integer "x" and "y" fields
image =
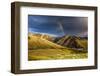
{"x": 36, "y": 42}
{"x": 73, "y": 42}
{"x": 44, "y": 36}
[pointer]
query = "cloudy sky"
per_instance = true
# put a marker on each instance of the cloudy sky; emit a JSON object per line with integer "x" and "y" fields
{"x": 58, "y": 25}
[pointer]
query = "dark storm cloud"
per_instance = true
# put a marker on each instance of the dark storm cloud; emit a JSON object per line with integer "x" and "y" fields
{"x": 57, "y": 25}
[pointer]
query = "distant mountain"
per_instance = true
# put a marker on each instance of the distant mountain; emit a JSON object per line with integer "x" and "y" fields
{"x": 38, "y": 42}
{"x": 72, "y": 42}
{"x": 44, "y": 36}
{"x": 45, "y": 41}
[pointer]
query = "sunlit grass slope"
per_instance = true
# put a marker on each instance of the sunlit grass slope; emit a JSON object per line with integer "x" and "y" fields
{"x": 35, "y": 42}
{"x": 42, "y": 49}
{"x": 53, "y": 54}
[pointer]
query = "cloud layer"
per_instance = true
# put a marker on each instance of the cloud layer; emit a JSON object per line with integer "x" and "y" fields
{"x": 58, "y": 25}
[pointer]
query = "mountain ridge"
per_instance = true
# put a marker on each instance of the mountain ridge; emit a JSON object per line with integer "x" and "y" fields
{"x": 73, "y": 42}
{"x": 35, "y": 42}
{"x": 46, "y": 41}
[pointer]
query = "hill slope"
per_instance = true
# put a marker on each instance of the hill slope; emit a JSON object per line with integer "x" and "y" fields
{"x": 40, "y": 48}
{"x": 73, "y": 42}
{"x": 44, "y": 36}
{"x": 35, "y": 42}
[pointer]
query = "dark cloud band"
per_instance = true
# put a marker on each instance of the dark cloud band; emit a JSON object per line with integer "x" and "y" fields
{"x": 58, "y": 25}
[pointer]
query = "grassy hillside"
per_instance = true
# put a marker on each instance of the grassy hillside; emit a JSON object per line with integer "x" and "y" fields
{"x": 35, "y": 42}
{"x": 83, "y": 43}
{"x": 53, "y": 54}
{"x": 40, "y": 48}
{"x": 73, "y": 42}
{"x": 44, "y": 36}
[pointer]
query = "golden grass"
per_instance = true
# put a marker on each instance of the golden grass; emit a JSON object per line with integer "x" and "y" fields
{"x": 42, "y": 49}
{"x": 38, "y": 43}
{"x": 53, "y": 54}
{"x": 83, "y": 43}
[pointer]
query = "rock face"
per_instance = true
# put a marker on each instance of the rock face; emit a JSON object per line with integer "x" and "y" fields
{"x": 73, "y": 42}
